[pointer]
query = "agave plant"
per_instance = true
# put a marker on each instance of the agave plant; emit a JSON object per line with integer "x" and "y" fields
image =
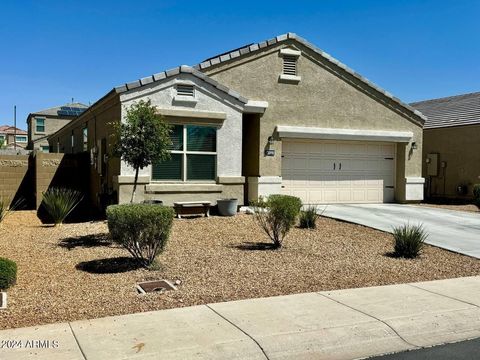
{"x": 409, "y": 240}
{"x": 60, "y": 202}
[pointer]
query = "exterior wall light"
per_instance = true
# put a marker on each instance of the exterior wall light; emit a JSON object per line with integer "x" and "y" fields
{"x": 269, "y": 151}
{"x": 414, "y": 146}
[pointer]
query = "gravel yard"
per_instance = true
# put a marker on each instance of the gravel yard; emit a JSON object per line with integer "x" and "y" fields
{"x": 65, "y": 273}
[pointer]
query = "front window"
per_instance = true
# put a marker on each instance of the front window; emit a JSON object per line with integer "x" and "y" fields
{"x": 21, "y": 138}
{"x": 45, "y": 148}
{"x": 193, "y": 155}
{"x": 39, "y": 125}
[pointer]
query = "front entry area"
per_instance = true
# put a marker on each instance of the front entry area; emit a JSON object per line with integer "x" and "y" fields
{"x": 328, "y": 171}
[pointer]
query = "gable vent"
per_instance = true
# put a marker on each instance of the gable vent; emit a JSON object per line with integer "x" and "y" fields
{"x": 185, "y": 90}
{"x": 289, "y": 65}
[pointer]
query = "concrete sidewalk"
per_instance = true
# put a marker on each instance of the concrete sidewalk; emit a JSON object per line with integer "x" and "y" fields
{"x": 343, "y": 324}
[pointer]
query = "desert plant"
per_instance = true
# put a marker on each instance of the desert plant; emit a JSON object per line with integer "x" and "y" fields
{"x": 8, "y": 273}
{"x": 60, "y": 202}
{"x": 276, "y": 215}
{"x": 144, "y": 138}
{"x": 409, "y": 240}
{"x": 476, "y": 194}
{"x": 308, "y": 218}
{"x": 142, "y": 229}
{"x": 7, "y": 206}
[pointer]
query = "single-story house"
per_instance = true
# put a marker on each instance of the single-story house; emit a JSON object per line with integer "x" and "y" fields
{"x": 279, "y": 116}
{"x": 451, "y": 145}
{"x": 42, "y": 123}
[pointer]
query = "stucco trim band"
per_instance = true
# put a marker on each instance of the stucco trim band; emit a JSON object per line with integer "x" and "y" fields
{"x": 231, "y": 180}
{"x": 129, "y": 179}
{"x": 300, "y": 132}
{"x": 185, "y": 188}
{"x": 255, "y": 107}
{"x": 195, "y": 114}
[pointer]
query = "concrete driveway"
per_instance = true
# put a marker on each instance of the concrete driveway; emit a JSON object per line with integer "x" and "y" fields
{"x": 449, "y": 229}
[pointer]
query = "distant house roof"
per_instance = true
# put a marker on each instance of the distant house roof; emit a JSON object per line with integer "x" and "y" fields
{"x": 57, "y": 110}
{"x": 8, "y": 129}
{"x": 450, "y": 111}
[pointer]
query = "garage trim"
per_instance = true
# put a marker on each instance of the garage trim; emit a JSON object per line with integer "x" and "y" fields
{"x": 300, "y": 132}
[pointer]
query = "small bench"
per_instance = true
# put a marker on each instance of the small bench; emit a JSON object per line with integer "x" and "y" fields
{"x": 192, "y": 208}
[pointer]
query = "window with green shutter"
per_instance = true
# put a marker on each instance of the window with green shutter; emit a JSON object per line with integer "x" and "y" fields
{"x": 193, "y": 155}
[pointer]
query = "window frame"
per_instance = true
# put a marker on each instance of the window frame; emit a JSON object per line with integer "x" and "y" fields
{"x": 36, "y": 126}
{"x": 184, "y": 152}
{"x": 21, "y": 136}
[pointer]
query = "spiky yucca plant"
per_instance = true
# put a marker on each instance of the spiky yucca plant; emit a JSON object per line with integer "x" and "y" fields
{"x": 308, "y": 218}
{"x": 409, "y": 240}
{"x": 6, "y": 207}
{"x": 60, "y": 202}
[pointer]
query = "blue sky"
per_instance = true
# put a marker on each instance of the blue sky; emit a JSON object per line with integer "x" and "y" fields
{"x": 52, "y": 51}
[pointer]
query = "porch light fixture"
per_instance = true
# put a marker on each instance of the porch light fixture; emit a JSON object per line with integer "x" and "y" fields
{"x": 270, "y": 141}
{"x": 414, "y": 146}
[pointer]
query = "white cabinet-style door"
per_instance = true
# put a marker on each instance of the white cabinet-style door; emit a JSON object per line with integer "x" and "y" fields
{"x": 338, "y": 171}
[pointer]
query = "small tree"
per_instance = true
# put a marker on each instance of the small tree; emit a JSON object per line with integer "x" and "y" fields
{"x": 144, "y": 138}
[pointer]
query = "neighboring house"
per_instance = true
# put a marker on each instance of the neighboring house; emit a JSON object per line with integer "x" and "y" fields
{"x": 280, "y": 116}
{"x": 8, "y": 135}
{"x": 451, "y": 145}
{"x": 45, "y": 122}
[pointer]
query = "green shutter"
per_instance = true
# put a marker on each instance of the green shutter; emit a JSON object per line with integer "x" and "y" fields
{"x": 201, "y": 138}
{"x": 177, "y": 138}
{"x": 201, "y": 167}
{"x": 168, "y": 170}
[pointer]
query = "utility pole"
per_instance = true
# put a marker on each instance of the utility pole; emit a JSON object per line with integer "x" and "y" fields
{"x": 15, "y": 127}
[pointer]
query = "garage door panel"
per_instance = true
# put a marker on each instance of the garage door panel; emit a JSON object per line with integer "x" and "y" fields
{"x": 366, "y": 174}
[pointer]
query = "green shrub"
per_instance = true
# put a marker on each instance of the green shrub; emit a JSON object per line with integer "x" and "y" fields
{"x": 142, "y": 229}
{"x": 276, "y": 215}
{"x": 60, "y": 202}
{"x": 8, "y": 273}
{"x": 409, "y": 240}
{"x": 308, "y": 218}
{"x": 476, "y": 194}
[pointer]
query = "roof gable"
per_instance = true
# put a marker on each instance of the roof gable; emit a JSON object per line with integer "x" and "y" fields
{"x": 240, "y": 53}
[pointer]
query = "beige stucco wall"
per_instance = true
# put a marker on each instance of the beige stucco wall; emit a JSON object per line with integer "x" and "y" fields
{"x": 459, "y": 147}
{"x": 99, "y": 120}
{"x": 322, "y": 98}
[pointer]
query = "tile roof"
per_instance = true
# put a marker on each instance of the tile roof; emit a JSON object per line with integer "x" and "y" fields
{"x": 281, "y": 38}
{"x": 242, "y": 51}
{"x": 184, "y": 69}
{"x": 8, "y": 129}
{"x": 450, "y": 111}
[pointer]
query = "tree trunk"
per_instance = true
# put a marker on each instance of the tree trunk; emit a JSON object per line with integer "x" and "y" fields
{"x": 134, "y": 185}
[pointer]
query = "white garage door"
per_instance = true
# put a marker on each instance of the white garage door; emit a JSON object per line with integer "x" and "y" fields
{"x": 338, "y": 171}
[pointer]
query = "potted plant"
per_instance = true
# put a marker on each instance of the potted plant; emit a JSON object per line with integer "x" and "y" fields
{"x": 227, "y": 207}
